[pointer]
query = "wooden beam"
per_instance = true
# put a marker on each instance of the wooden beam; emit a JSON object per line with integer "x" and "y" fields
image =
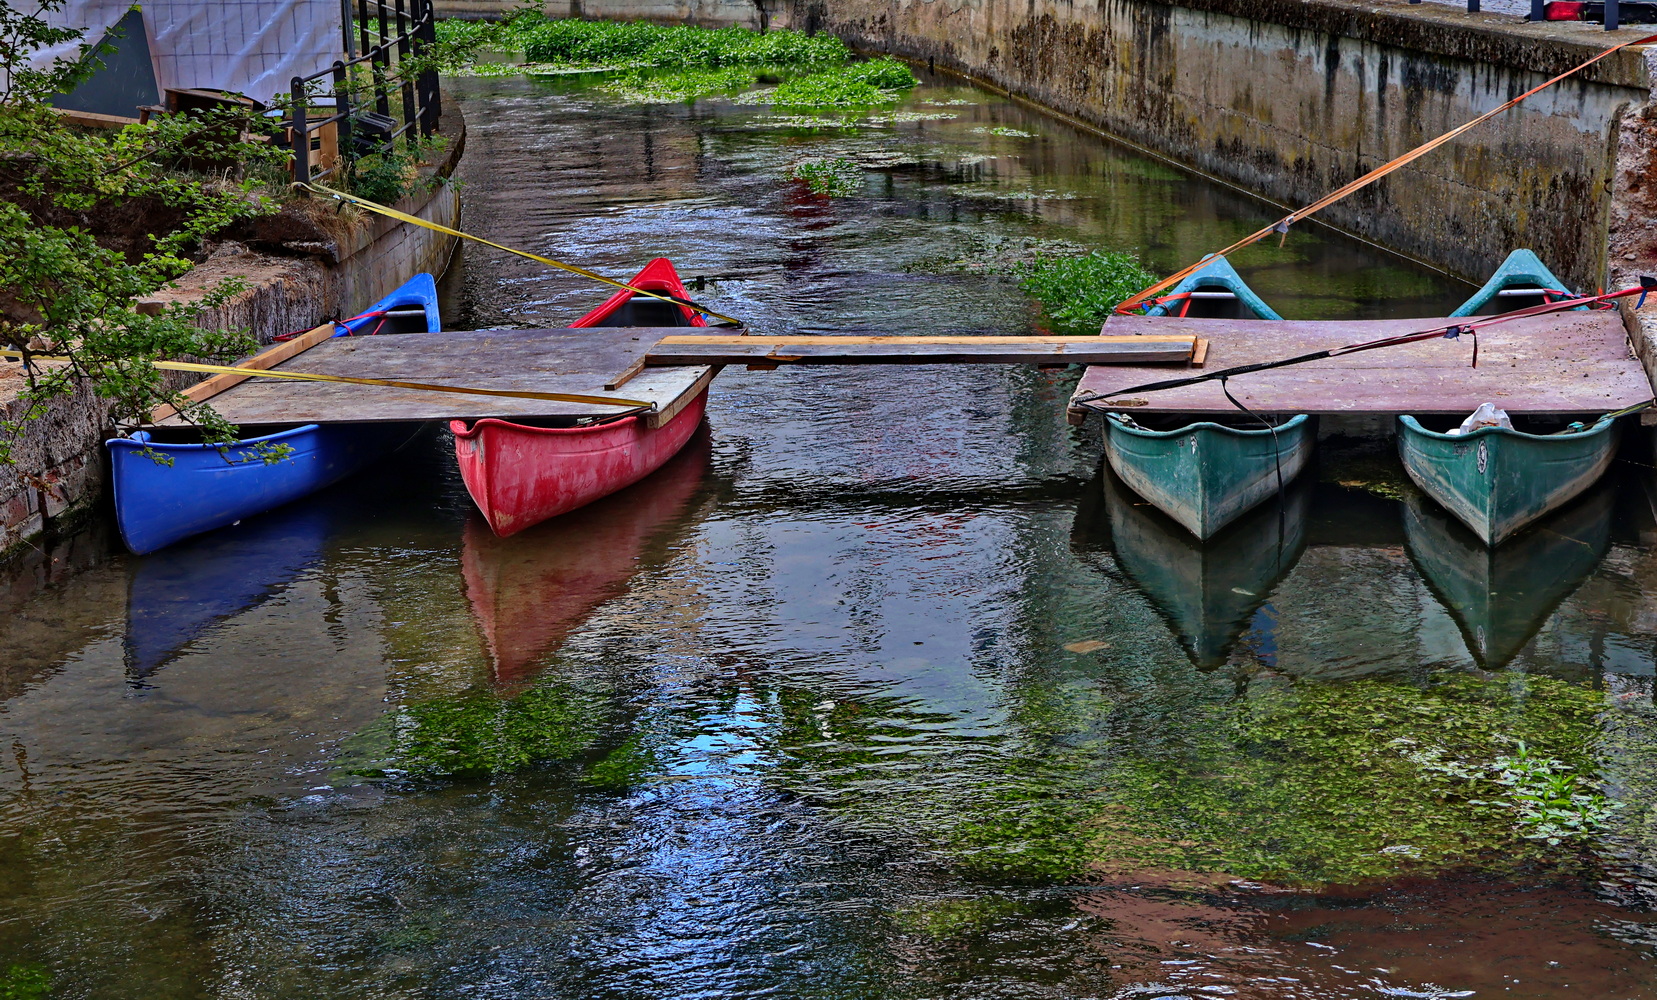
{"x": 671, "y": 410}
{"x": 674, "y": 350}
{"x": 270, "y": 357}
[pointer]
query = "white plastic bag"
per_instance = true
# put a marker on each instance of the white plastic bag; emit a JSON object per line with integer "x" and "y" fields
{"x": 1487, "y": 415}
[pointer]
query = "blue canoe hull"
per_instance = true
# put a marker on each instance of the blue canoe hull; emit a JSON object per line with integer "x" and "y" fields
{"x": 206, "y": 487}
{"x": 196, "y": 487}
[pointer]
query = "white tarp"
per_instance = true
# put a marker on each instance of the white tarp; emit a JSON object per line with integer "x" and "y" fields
{"x": 250, "y": 47}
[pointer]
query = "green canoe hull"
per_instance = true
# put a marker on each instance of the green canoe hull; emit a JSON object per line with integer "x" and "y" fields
{"x": 1207, "y": 591}
{"x": 1206, "y": 475}
{"x": 1500, "y": 596}
{"x": 1521, "y": 269}
{"x": 1497, "y": 481}
{"x": 1217, "y": 275}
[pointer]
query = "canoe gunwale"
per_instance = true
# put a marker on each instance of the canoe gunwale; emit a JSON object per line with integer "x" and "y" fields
{"x": 1599, "y": 426}
{"x": 1124, "y": 423}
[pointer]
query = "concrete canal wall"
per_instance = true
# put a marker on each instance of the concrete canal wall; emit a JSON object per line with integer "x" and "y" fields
{"x": 1291, "y": 98}
{"x": 307, "y": 266}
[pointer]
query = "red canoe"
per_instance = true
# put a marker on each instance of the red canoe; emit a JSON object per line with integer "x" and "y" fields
{"x": 519, "y": 474}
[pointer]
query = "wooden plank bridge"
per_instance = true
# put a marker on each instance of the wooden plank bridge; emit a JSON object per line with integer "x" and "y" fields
{"x": 666, "y": 367}
{"x": 1566, "y": 363}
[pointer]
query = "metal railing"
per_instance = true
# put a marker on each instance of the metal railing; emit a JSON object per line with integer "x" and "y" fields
{"x": 393, "y": 37}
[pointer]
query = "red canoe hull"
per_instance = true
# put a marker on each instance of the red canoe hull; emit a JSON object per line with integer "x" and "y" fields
{"x": 519, "y": 476}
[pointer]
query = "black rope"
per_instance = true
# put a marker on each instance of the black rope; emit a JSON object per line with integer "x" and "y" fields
{"x": 1277, "y": 460}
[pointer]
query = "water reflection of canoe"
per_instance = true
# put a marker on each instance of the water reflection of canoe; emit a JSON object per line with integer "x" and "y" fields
{"x": 1497, "y": 480}
{"x": 1210, "y": 590}
{"x": 1501, "y": 596}
{"x": 1205, "y": 475}
{"x": 529, "y": 593}
{"x": 198, "y": 487}
{"x": 521, "y": 474}
{"x": 176, "y": 595}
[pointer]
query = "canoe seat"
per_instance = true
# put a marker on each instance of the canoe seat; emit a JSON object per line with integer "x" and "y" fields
{"x": 640, "y": 311}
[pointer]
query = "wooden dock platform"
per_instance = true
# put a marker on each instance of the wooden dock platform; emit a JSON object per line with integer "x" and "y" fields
{"x": 666, "y": 367}
{"x": 1568, "y": 363}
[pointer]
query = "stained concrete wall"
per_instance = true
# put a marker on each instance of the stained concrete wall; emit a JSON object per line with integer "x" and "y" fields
{"x": 61, "y": 468}
{"x": 1292, "y": 98}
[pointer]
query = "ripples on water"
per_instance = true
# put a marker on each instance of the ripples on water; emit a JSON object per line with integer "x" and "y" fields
{"x": 814, "y": 713}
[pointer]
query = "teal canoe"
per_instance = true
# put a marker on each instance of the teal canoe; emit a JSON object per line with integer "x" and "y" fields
{"x": 1213, "y": 291}
{"x": 1500, "y": 596}
{"x": 1522, "y": 281}
{"x": 1496, "y": 480}
{"x": 1205, "y": 475}
{"x": 1209, "y": 591}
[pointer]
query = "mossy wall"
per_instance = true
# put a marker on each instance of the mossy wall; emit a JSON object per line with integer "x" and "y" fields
{"x": 1292, "y": 98}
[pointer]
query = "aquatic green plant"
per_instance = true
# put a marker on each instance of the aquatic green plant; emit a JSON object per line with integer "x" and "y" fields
{"x": 480, "y": 733}
{"x": 658, "y": 87}
{"x": 952, "y": 919}
{"x": 573, "y": 42}
{"x": 1077, "y": 294}
{"x": 626, "y": 765}
{"x": 831, "y": 176}
{"x": 1004, "y": 130}
{"x": 1342, "y": 783}
{"x": 878, "y": 81}
{"x": 24, "y": 982}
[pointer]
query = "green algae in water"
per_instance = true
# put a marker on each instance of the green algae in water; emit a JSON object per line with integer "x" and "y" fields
{"x": 953, "y": 919}
{"x": 24, "y": 982}
{"x": 1371, "y": 471}
{"x": 1329, "y": 783}
{"x": 830, "y": 176}
{"x": 629, "y": 764}
{"x": 480, "y": 733}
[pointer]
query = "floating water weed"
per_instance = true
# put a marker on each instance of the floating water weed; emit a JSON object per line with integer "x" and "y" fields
{"x": 654, "y": 87}
{"x": 1077, "y": 294}
{"x": 1004, "y": 130}
{"x": 834, "y": 177}
{"x": 879, "y": 81}
{"x": 571, "y": 42}
{"x": 24, "y": 982}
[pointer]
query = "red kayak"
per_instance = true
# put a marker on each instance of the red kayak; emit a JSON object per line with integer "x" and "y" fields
{"x": 520, "y": 474}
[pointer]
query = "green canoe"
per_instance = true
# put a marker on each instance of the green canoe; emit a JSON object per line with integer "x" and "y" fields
{"x": 1496, "y": 480}
{"x": 1501, "y": 596}
{"x": 1205, "y": 475}
{"x": 1213, "y": 291}
{"x": 1522, "y": 281}
{"x": 1208, "y": 591}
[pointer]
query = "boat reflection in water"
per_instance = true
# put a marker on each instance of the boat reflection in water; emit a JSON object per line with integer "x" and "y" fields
{"x": 1500, "y": 596}
{"x": 1209, "y": 591}
{"x": 531, "y": 590}
{"x": 176, "y": 595}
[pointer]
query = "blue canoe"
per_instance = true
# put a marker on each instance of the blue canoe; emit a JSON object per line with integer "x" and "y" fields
{"x": 1522, "y": 281}
{"x": 1213, "y": 291}
{"x": 198, "y": 487}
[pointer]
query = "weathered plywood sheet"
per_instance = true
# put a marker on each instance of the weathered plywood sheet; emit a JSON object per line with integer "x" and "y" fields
{"x": 573, "y": 361}
{"x": 1564, "y": 363}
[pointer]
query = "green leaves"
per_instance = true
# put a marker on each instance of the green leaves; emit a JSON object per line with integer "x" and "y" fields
{"x": 1077, "y": 294}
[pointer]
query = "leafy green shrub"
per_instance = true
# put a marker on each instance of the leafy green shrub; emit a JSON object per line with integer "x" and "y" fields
{"x": 1077, "y": 294}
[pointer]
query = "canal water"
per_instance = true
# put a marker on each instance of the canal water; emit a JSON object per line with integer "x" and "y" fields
{"x": 879, "y": 690}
